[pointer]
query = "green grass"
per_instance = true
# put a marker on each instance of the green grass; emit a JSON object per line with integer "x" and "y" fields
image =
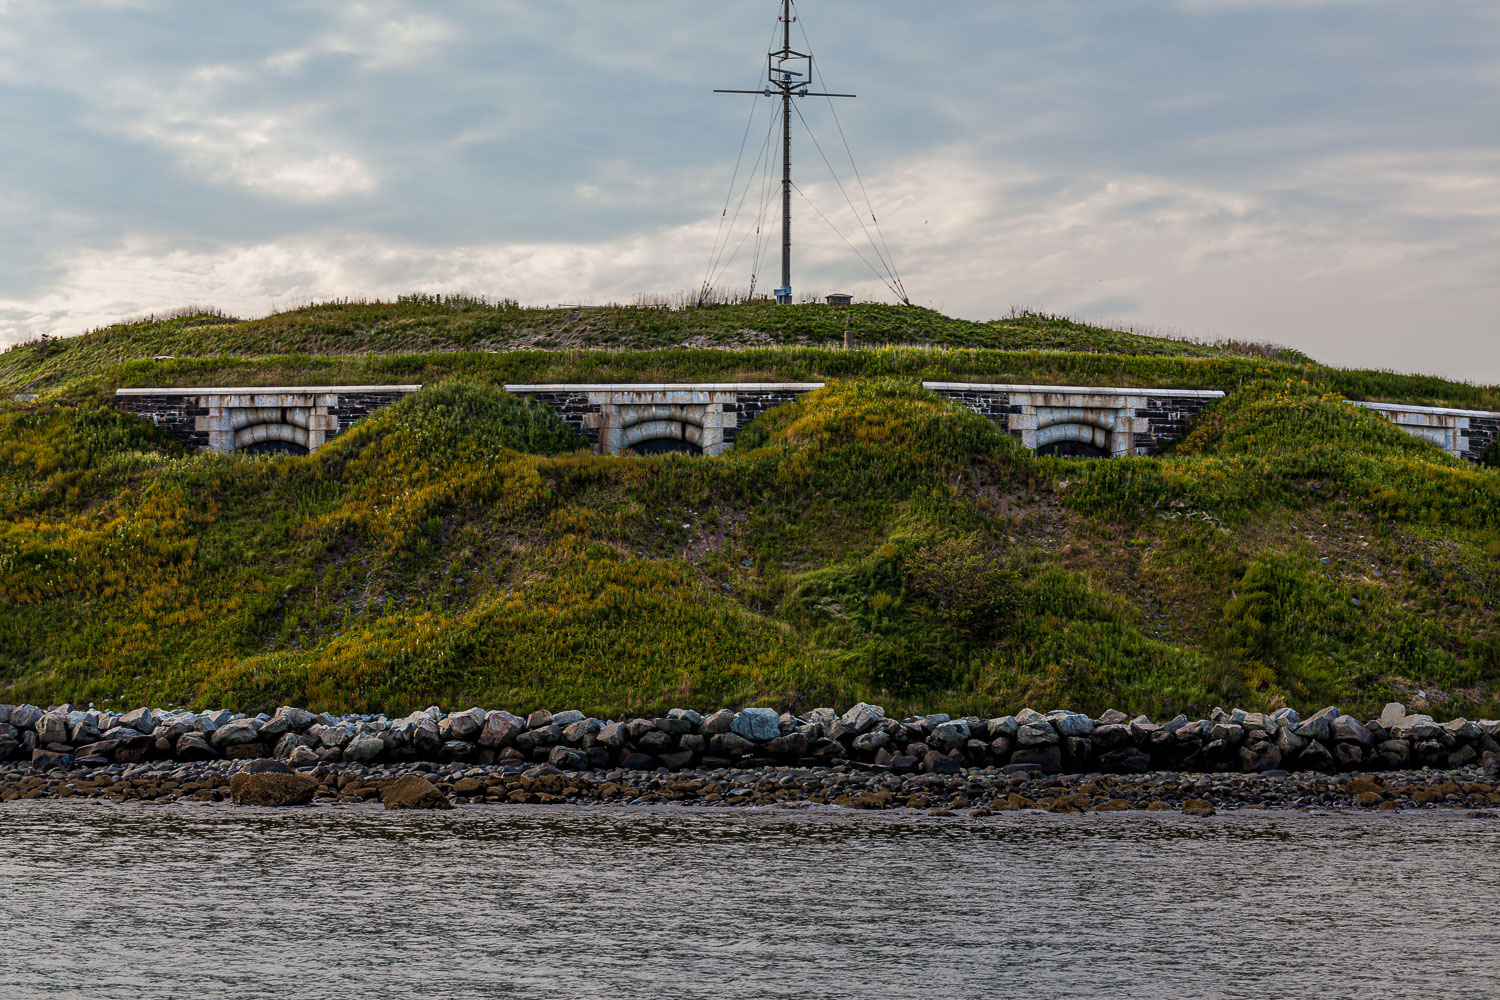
{"x": 868, "y": 541}
{"x": 438, "y": 325}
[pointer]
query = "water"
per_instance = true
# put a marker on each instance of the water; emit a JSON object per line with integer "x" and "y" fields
{"x": 138, "y": 901}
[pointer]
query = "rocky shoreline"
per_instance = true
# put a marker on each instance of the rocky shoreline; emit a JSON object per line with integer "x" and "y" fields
{"x": 975, "y": 792}
{"x": 63, "y": 738}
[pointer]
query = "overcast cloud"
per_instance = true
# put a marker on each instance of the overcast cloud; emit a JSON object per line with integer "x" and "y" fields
{"x": 1322, "y": 174}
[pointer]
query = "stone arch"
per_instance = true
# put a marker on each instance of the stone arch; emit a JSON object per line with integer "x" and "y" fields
{"x": 659, "y": 428}
{"x": 263, "y": 437}
{"x": 1077, "y": 440}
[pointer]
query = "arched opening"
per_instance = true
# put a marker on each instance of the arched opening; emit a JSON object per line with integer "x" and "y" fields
{"x": 263, "y": 439}
{"x": 1072, "y": 449}
{"x": 666, "y": 446}
{"x": 1074, "y": 440}
{"x": 274, "y": 448}
{"x": 672, "y": 432}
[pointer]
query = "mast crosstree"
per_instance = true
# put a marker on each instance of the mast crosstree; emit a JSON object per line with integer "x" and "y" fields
{"x": 784, "y": 82}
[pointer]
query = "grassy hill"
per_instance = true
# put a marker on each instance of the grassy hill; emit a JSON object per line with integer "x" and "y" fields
{"x": 869, "y": 541}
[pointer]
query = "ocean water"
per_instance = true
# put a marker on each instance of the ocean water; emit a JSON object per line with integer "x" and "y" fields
{"x": 132, "y": 901}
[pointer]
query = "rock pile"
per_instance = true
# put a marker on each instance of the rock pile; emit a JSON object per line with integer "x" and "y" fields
{"x": 1052, "y": 743}
{"x": 976, "y": 792}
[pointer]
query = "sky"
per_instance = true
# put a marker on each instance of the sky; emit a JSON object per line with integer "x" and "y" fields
{"x": 1318, "y": 173}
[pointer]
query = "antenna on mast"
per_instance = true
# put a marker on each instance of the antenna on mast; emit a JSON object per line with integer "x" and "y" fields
{"x": 784, "y": 82}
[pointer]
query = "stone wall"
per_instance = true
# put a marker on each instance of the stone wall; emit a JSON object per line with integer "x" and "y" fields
{"x": 1117, "y": 421}
{"x": 174, "y": 413}
{"x": 230, "y": 419}
{"x": 1465, "y": 434}
{"x": 616, "y": 417}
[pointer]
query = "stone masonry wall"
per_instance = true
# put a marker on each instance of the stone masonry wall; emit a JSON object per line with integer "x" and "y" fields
{"x": 353, "y": 407}
{"x": 1484, "y": 432}
{"x": 1153, "y": 421}
{"x": 175, "y": 415}
{"x": 1168, "y": 417}
{"x": 749, "y": 405}
{"x": 184, "y": 413}
{"x": 574, "y": 408}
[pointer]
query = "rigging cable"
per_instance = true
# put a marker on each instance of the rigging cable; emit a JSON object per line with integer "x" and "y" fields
{"x": 717, "y": 251}
{"x": 890, "y": 271}
{"x": 714, "y": 270}
{"x": 873, "y": 269}
{"x": 807, "y": 40}
{"x": 718, "y": 270}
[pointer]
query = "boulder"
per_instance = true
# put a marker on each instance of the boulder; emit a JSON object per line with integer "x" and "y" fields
{"x": 1319, "y": 726}
{"x": 458, "y": 750}
{"x": 464, "y": 726}
{"x": 876, "y": 741}
{"x": 1349, "y": 729}
{"x": 364, "y": 749}
{"x": 1006, "y": 725}
{"x": 193, "y": 746}
{"x": 719, "y": 722}
{"x": 1392, "y": 714}
{"x": 103, "y": 748}
{"x": 568, "y": 718}
{"x": 413, "y": 792}
{"x": 547, "y": 736}
{"x": 689, "y": 716}
{"x": 540, "y": 719}
{"x": 500, "y": 730}
{"x": 568, "y": 759}
{"x": 52, "y": 728}
{"x": 302, "y": 755}
{"x": 1259, "y": 756}
{"x": 1112, "y": 717}
{"x": 138, "y": 719}
{"x": 1392, "y": 755}
{"x": 1047, "y": 757}
{"x": 271, "y": 789}
{"x": 656, "y": 742}
{"x": 946, "y": 736}
{"x": 1071, "y": 723}
{"x": 25, "y": 716}
{"x": 938, "y": 763}
{"x": 235, "y": 734}
{"x": 1037, "y": 733}
{"x": 730, "y": 745}
{"x": 677, "y": 761}
{"x": 758, "y": 724}
{"x": 1197, "y": 807}
{"x": 1231, "y": 733}
{"x": 1111, "y": 736}
{"x": 296, "y": 719}
{"x": 863, "y": 717}
{"x": 613, "y": 735}
{"x": 1126, "y": 760}
{"x": 1348, "y": 756}
{"x": 790, "y": 745}
{"x": 49, "y": 760}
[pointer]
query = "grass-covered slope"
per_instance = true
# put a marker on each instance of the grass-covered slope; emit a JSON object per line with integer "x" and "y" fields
{"x": 432, "y": 325}
{"x": 869, "y": 541}
{"x": 427, "y": 340}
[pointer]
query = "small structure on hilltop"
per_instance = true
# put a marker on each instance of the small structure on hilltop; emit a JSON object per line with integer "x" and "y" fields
{"x": 841, "y": 299}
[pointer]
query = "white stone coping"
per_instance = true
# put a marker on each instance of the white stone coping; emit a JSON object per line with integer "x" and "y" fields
{"x": 1439, "y": 410}
{"x": 671, "y": 387}
{"x": 1085, "y": 390}
{"x": 266, "y": 390}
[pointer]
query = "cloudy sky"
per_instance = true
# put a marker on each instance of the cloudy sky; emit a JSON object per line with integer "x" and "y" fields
{"x": 1322, "y": 173}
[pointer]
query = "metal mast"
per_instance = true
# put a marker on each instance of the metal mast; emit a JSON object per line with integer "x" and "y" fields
{"x": 786, "y": 83}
